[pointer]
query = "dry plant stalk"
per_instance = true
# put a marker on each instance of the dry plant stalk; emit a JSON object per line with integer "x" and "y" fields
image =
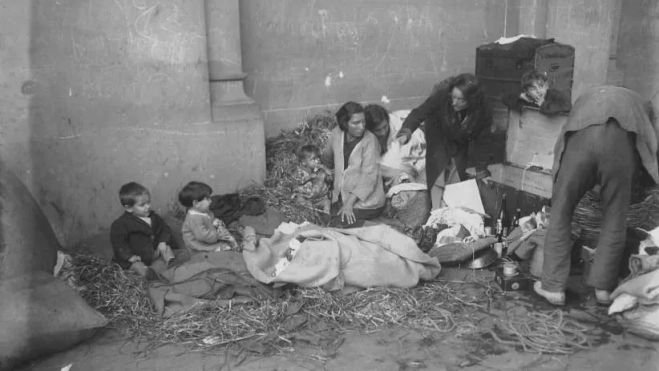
{"x": 548, "y": 333}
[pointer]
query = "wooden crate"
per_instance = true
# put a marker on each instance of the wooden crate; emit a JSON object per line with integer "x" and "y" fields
{"x": 530, "y": 141}
{"x": 531, "y": 138}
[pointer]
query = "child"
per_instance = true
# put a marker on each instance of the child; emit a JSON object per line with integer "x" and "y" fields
{"x": 201, "y": 230}
{"x": 315, "y": 179}
{"x": 536, "y": 93}
{"x": 140, "y": 237}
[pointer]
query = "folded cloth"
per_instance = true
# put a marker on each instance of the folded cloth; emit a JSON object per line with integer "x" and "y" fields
{"x": 523, "y": 247}
{"x": 206, "y": 276}
{"x": 405, "y": 187}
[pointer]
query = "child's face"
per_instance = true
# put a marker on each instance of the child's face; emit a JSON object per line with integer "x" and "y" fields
{"x": 311, "y": 161}
{"x": 142, "y": 206}
{"x": 537, "y": 91}
{"x": 202, "y": 205}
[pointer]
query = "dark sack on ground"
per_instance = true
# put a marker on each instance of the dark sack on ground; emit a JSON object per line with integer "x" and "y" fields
{"x": 40, "y": 315}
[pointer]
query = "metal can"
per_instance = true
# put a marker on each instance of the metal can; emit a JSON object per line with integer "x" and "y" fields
{"x": 488, "y": 231}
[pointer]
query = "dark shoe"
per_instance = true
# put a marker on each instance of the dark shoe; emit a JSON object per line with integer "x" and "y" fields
{"x": 151, "y": 275}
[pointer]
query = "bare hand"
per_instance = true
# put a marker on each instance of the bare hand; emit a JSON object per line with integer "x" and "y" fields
{"x": 487, "y": 181}
{"x": 347, "y": 214}
{"x": 217, "y": 222}
{"x": 134, "y": 259}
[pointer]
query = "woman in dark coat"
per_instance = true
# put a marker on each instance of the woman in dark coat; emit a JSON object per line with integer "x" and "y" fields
{"x": 455, "y": 116}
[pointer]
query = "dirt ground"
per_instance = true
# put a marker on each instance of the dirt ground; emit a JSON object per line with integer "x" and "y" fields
{"x": 390, "y": 348}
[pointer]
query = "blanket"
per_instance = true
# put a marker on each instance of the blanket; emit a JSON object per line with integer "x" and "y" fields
{"x": 220, "y": 275}
{"x": 341, "y": 259}
{"x": 636, "y": 301}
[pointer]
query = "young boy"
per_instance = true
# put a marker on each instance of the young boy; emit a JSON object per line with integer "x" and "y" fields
{"x": 315, "y": 179}
{"x": 536, "y": 93}
{"x": 140, "y": 237}
{"x": 201, "y": 230}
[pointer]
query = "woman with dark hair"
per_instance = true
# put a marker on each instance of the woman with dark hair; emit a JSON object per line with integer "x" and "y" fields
{"x": 386, "y": 126}
{"x": 353, "y": 153}
{"x": 455, "y": 114}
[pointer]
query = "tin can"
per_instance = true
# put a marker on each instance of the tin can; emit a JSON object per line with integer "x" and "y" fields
{"x": 510, "y": 269}
{"x": 488, "y": 231}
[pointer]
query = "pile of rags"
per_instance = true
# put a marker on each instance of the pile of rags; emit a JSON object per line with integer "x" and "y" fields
{"x": 343, "y": 260}
{"x": 636, "y": 301}
{"x": 461, "y": 233}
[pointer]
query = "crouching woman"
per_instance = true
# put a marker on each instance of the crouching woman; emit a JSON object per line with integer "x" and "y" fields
{"x": 353, "y": 153}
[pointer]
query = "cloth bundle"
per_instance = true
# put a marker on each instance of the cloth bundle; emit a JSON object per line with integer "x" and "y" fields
{"x": 636, "y": 301}
{"x": 341, "y": 259}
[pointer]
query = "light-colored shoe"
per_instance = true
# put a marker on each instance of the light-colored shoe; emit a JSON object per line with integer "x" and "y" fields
{"x": 603, "y": 297}
{"x": 554, "y": 298}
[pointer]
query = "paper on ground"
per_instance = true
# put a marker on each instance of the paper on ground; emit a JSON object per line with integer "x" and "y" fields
{"x": 464, "y": 194}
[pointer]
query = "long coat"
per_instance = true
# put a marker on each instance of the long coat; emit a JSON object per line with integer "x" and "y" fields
{"x": 446, "y": 137}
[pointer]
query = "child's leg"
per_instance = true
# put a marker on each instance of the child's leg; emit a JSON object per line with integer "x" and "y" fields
{"x": 165, "y": 251}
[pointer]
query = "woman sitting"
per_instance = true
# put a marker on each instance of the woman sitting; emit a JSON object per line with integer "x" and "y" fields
{"x": 353, "y": 153}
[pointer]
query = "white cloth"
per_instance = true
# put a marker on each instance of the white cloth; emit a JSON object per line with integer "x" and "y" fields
{"x": 405, "y": 187}
{"x": 414, "y": 151}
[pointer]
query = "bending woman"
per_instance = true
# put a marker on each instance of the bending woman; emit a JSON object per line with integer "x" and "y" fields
{"x": 353, "y": 153}
{"x": 455, "y": 115}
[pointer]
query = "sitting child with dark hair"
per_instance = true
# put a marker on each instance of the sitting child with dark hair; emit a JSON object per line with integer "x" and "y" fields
{"x": 536, "y": 93}
{"x": 201, "y": 230}
{"x": 315, "y": 180}
{"x": 140, "y": 237}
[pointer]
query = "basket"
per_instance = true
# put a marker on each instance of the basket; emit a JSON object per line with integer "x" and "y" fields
{"x": 414, "y": 214}
{"x": 459, "y": 252}
{"x": 588, "y": 215}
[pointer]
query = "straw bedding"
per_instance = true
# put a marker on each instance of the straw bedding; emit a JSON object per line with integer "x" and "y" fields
{"x": 121, "y": 296}
{"x": 281, "y": 163}
{"x": 588, "y": 215}
{"x": 442, "y": 306}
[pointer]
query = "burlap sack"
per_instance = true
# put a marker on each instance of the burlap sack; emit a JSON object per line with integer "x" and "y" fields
{"x": 41, "y": 315}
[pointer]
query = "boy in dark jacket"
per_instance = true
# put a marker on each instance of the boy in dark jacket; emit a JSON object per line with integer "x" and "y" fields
{"x": 536, "y": 93}
{"x": 140, "y": 237}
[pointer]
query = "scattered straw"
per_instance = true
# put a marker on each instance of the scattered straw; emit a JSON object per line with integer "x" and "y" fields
{"x": 119, "y": 295}
{"x": 544, "y": 333}
{"x": 281, "y": 163}
{"x": 433, "y": 306}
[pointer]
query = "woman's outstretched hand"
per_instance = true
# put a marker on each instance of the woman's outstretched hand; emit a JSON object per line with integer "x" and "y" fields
{"x": 347, "y": 214}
